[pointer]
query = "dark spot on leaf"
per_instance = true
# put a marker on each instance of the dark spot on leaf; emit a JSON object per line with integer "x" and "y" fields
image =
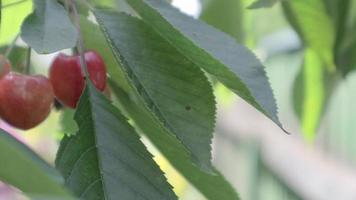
{"x": 188, "y": 108}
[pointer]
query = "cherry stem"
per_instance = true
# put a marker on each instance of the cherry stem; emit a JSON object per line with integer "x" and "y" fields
{"x": 11, "y": 46}
{"x": 28, "y": 61}
{"x": 80, "y": 44}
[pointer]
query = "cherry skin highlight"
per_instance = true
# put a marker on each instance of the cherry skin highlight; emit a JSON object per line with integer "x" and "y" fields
{"x": 25, "y": 100}
{"x": 67, "y": 77}
{"x": 4, "y": 66}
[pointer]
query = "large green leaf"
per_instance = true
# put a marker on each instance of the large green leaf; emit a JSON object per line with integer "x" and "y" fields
{"x": 48, "y": 29}
{"x": 106, "y": 159}
{"x": 10, "y": 22}
{"x": 23, "y": 169}
{"x": 315, "y": 26}
{"x": 175, "y": 90}
{"x": 212, "y": 185}
{"x": 217, "y": 53}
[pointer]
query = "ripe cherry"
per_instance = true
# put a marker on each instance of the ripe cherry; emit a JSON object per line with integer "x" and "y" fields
{"x": 67, "y": 77}
{"x": 25, "y": 100}
{"x": 4, "y": 66}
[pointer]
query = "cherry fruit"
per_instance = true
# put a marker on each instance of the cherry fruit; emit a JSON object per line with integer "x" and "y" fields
{"x": 4, "y": 66}
{"x": 67, "y": 76}
{"x": 25, "y": 100}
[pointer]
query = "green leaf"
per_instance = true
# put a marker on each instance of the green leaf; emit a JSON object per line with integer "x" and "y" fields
{"x": 212, "y": 185}
{"x": 312, "y": 90}
{"x": 342, "y": 12}
{"x": 217, "y": 53}
{"x": 174, "y": 90}
{"x": 48, "y": 29}
{"x": 10, "y": 22}
{"x": 23, "y": 169}
{"x": 226, "y": 15}
{"x": 106, "y": 159}
{"x": 314, "y": 26}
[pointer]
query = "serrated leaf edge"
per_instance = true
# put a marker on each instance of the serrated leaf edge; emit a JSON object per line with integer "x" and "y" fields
{"x": 146, "y": 99}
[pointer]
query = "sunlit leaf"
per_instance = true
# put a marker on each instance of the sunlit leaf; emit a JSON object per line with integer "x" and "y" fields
{"x": 315, "y": 27}
{"x": 312, "y": 90}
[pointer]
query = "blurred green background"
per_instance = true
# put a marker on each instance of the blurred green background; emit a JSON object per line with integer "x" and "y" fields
{"x": 309, "y": 50}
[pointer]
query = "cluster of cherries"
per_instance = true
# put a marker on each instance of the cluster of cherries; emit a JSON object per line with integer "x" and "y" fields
{"x": 26, "y": 100}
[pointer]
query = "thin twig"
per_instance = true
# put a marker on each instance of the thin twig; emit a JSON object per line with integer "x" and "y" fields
{"x": 28, "y": 61}
{"x": 80, "y": 44}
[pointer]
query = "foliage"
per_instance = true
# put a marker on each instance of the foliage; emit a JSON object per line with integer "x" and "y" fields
{"x": 161, "y": 63}
{"x": 106, "y": 159}
{"x": 324, "y": 38}
{"x": 43, "y": 181}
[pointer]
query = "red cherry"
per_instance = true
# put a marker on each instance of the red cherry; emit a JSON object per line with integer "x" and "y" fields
{"x": 25, "y": 101}
{"x": 67, "y": 77}
{"x": 4, "y": 66}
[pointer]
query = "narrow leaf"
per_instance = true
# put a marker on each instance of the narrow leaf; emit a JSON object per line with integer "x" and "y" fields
{"x": 48, "y": 29}
{"x": 106, "y": 159}
{"x": 312, "y": 90}
{"x": 23, "y": 169}
{"x": 217, "y": 53}
{"x": 175, "y": 90}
